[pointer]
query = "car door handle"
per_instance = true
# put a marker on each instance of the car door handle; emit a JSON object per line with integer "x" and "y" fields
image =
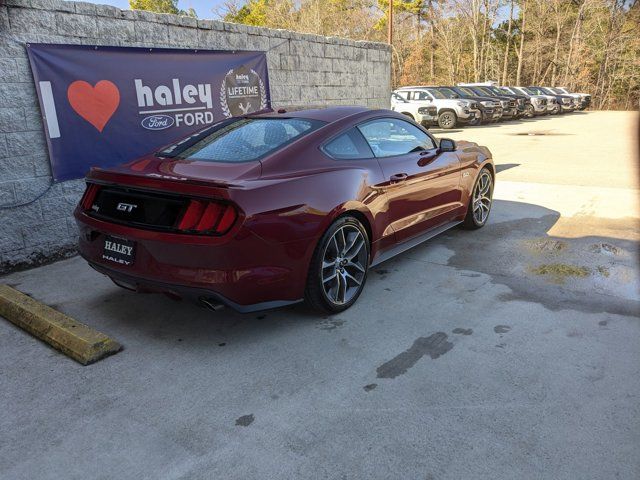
{"x": 398, "y": 177}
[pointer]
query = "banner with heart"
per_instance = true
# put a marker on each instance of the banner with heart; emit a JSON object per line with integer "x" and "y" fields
{"x": 95, "y": 104}
{"x": 102, "y": 106}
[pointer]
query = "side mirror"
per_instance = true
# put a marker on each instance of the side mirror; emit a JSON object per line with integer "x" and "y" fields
{"x": 447, "y": 145}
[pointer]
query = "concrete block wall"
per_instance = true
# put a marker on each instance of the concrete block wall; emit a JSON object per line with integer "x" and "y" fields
{"x": 303, "y": 70}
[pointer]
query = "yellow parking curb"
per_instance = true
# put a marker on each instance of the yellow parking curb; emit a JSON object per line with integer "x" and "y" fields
{"x": 72, "y": 338}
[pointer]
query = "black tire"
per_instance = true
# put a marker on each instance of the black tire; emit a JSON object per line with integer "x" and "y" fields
{"x": 315, "y": 294}
{"x": 475, "y": 121}
{"x": 408, "y": 115}
{"x": 447, "y": 120}
{"x": 471, "y": 222}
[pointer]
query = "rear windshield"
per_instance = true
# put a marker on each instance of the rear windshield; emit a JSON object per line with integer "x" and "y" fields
{"x": 242, "y": 140}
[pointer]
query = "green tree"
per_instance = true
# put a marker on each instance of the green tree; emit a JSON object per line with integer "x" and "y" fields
{"x": 253, "y": 12}
{"x": 161, "y": 6}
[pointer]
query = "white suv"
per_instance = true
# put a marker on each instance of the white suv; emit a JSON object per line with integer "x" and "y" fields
{"x": 538, "y": 104}
{"x": 449, "y": 112}
{"x": 424, "y": 113}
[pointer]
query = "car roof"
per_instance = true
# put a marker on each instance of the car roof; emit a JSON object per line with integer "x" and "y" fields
{"x": 329, "y": 114}
{"x": 413, "y": 87}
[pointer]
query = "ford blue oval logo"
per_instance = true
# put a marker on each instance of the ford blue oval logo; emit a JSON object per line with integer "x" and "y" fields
{"x": 157, "y": 122}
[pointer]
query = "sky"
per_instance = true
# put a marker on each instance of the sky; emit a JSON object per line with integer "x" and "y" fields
{"x": 204, "y": 8}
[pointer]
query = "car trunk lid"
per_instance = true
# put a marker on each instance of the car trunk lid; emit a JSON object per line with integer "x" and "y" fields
{"x": 159, "y": 194}
{"x": 224, "y": 174}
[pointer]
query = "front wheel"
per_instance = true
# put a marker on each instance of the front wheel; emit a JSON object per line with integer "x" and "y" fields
{"x": 339, "y": 266}
{"x": 447, "y": 120}
{"x": 480, "y": 202}
{"x": 529, "y": 111}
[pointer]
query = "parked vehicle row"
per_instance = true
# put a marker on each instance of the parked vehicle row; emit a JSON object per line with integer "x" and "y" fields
{"x": 476, "y": 103}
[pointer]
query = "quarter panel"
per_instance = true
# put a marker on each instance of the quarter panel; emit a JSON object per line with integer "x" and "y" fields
{"x": 302, "y": 207}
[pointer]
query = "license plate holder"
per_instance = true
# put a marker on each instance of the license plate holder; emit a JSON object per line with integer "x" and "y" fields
{"x": 119, "y": 250}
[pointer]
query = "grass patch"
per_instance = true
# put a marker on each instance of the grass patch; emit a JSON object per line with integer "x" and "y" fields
{"x": 559, "y": 272}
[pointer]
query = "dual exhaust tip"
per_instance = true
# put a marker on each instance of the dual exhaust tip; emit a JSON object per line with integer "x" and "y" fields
{"x": 211, "y": 303}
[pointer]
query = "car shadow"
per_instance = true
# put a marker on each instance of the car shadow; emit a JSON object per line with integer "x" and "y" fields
{"x": 495, "y": 250}
{"x": 505, "y": 166}
{"x": 442, "y": 131}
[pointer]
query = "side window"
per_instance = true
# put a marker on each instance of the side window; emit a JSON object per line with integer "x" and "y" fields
{"x": 421, "y": 96}
{"x": 403, "y": 93}
{"x": 348, "y": 146}
{"x": 388, "y": 137}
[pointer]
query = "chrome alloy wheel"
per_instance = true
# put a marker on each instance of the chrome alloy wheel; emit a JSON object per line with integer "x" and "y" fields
{"x": 344, "y": 265}
{"x": 482, "y": 198}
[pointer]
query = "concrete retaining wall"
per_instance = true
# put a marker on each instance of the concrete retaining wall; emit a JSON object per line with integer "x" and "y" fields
{"x": 303, "y": 70}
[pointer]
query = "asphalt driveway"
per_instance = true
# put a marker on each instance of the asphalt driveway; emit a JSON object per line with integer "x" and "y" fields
{"x": 510, "y": 352}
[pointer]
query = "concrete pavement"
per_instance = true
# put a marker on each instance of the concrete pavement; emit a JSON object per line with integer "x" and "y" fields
{"x": 509, "y": 352}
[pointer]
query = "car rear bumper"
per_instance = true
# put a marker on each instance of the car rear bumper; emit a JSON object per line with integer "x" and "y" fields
{"x": 242, "y": 271}
{"x": 201, "y": 296}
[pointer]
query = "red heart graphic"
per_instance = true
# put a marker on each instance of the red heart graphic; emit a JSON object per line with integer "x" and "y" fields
{"x": 95, "y": 104}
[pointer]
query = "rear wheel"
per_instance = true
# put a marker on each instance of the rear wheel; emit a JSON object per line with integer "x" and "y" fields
{"x": 339, "y": 266}
{"x": 480, "y": 202}
{"x": 447, "y": 120}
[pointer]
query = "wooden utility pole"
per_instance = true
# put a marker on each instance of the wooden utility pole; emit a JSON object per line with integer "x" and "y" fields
{"x": 522, "y": 30}
{"x": 390, "y": 24}
{"x": 505, "y": 64}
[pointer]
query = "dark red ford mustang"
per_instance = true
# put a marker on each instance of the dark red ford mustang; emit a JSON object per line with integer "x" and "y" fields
{"x": 265, "y": 210}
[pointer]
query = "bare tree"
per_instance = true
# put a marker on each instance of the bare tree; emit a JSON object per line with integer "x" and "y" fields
{"x": 522, "y": 34}
{"x": 590, "y": 45}
{"x": 505, "y": 63}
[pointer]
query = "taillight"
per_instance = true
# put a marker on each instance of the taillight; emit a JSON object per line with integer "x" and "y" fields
{"x": 89, "y": 196}
{"x": 207, "y": 217}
